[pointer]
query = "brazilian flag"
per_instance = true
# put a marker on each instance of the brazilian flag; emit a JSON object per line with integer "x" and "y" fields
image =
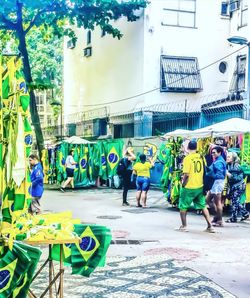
{"x": 167, "y": 168}
{"x": 1, "y": 129}
{"x": 61, "y": 155}
{"x": 114, "y": 154}
{"x": 14, "y": 264}
{"x": 163, "y": 152}
{"x": 93, "y": 163}
{"x": 91, "y": 169}
{"x": 94, "y": 157}
{"x": 5, "y": 84}
{"x": 101, "y": 161}
{"x": 76, "y": 156}
{"x": 175, "y": 187}
{"x": 21, "y": 87}
{"x": 83, "y": 179}
{"x": 24, "y": 283}
{"x": 91, "y": 251}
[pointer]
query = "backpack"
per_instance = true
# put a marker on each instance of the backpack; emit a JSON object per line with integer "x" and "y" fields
{"x": 121, "y": 168}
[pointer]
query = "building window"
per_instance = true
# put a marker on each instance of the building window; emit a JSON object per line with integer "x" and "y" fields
{"x": 243, "y": 13}
{"x": 40, "y": 99}
{"x": 239, "y": 75}
{"x": 180, "y": 74}
{"x": 89, "y": 37}
{"x": 181, "y": 13}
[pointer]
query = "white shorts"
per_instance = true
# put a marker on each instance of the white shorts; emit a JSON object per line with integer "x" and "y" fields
{"x": 218, "y": 186}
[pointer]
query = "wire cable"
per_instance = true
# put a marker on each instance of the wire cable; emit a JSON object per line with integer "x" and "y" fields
{"x": 155, "y": 89}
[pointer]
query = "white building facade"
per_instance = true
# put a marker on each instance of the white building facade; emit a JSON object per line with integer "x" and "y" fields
{"x": 172, "y": 69}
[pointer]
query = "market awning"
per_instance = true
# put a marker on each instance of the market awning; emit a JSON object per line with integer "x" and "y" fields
{"x": 233, "y": 126}
{"x": 77, "y": 141}
{"x": 178, "y": 133}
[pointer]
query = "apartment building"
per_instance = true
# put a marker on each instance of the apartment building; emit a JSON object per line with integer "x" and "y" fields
{"x": 173, "y": 68}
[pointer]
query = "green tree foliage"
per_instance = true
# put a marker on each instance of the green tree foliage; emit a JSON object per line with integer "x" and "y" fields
{"x": 20, "y": 17}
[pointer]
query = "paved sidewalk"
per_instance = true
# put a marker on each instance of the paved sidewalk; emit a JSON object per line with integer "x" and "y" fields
{"x": 138, "y": 277}
{"x": 149, "y": 235}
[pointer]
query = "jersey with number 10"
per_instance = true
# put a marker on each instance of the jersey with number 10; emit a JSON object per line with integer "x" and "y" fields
{"x": 193, "y": 166}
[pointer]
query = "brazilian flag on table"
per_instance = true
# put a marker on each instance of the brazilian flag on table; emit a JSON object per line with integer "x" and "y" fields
{"x": 24, "y": 283}
{"x": 89, "y": 253}
{"x": 17, "y": 267}
{"x": 113, "y": 151}
{"x": 61, "y": 155}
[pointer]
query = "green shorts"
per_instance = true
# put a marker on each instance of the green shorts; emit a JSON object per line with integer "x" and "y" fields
{"x": 189, "y": 196}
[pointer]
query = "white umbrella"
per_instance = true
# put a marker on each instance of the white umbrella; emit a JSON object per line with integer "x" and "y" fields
{"x": 228, "y": 127}
{"x": 178, "y": 133}
{"x": 77, "y": 141}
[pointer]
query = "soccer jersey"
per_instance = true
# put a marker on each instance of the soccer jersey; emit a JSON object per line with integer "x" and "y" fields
{"x": 142, "y": 169}
{"x": 193, "y": 166}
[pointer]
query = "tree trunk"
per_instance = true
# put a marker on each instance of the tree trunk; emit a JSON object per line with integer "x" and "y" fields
{"x": 27, "y": 74}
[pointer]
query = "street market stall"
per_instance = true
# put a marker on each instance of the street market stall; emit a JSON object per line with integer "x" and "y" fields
{"x": 81, "y": 246}
{"x": 232, "y": 134}
{"x": 95, "y": 161}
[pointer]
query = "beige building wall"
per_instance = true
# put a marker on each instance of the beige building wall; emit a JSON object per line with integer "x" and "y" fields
{"x": 114, "y": 70}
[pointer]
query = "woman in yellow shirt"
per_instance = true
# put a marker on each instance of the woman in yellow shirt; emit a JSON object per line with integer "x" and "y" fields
{"x": 142, "y": 170}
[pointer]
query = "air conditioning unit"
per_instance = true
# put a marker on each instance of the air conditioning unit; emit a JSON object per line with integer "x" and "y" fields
{"x": 233, "y": 5}
{"x": 87, "y": 52}
{"x": 71, "y": 44}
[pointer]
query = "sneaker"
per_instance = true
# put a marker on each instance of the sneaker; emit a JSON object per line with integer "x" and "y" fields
{"x": 244, "y": 217}
{"x": 231, "y": 220}
{"x": 138, "y": 205}
{"x": 125, "y": 204}
{"x": 62, "y": 189}
{"x": 218, "y": 224}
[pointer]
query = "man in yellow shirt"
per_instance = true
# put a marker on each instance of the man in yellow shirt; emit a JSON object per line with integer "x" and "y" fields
{"x": 192, "y": 187}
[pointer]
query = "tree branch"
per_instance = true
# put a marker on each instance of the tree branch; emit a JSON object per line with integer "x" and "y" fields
{"x": 37, "y": 16}
{"x": 7, "y": 24}
{"x": 32, "y": 22}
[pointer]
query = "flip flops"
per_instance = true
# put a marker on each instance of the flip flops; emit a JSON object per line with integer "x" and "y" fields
{"x": 182, "y": 229}
{"x": 209, "y": 230}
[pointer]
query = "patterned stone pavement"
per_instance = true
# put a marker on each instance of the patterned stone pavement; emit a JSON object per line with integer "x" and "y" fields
{"x": 137, "y": 277}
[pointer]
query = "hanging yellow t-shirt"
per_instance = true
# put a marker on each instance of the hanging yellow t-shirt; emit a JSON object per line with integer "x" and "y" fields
{"x": 142, "y": 169}
{"x": 193, "y": 166}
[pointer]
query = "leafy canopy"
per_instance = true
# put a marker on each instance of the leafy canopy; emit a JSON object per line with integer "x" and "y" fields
{"x": 25, "y": 14}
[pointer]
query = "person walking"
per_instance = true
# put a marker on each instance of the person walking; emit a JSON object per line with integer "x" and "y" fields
{"x": 125, "y": 165}
{"x": 36, "y": 189}
{"x": 70, "y": 169}
{"x": 217, "y": 171}
{"x": 192, "y": 187}
{"x": 142, "y": 170}
{"x": 237, "y": 187}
